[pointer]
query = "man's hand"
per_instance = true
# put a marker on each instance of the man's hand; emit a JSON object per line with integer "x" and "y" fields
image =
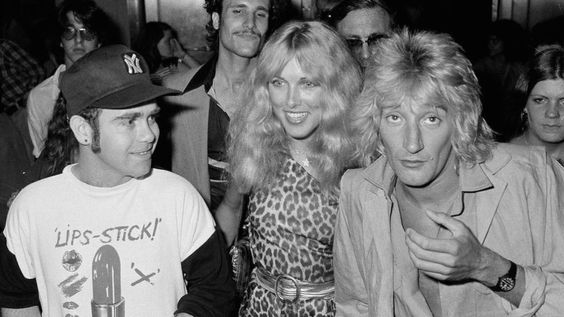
{"x": 459, "y": 258}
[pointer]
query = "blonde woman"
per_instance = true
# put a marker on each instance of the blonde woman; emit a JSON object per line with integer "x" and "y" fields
{"x": 289, "y": 147}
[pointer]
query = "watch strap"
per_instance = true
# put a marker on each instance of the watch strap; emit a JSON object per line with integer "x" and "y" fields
{"x": 506, "y": 282}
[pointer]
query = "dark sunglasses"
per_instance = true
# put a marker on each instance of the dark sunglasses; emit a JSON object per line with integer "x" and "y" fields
{"x": 372, "y": 40}
{"x": 70, "y": 33}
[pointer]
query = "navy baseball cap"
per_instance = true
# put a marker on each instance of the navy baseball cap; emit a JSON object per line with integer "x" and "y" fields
{"x": 110, "y": 77}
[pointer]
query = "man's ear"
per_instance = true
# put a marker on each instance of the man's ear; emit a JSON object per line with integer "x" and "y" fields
{"x": 215, "y": 20}
{"x": 81, "y": 129}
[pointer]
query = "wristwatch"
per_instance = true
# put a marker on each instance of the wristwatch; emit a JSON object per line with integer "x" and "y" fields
{"x": 506, "y": 282}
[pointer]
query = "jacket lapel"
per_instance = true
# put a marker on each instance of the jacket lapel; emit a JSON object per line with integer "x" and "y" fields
{"x": 481, "y": 177}
{"x": 486, "y": 206}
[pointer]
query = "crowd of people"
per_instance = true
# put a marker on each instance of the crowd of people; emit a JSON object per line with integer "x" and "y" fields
{"x": 349, "y": 166}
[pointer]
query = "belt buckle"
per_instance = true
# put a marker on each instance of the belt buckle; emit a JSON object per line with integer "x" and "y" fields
{"x": 291, "y": 279}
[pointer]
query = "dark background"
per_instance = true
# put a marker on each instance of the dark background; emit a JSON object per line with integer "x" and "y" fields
{"x": 466, "y": 20}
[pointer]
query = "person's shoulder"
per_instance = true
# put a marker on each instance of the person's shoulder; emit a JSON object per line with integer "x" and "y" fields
{"x": 521, "y": 154}
{"x": 46, "y": 188}
{"x": 165, "y": 186}
{"x": 182, "y": 74}
{"x": 180, "y": 79}
{"x": 353, "y": 175}
{"x": 514, "y": 161}
{"x": 170, "y": 181}
{"x": 377, "y": 173}
{"x": 519, "y": 140}
{"x": 161, "y": 175}
{"x": 49, "y": 81}
{"x": 355, "y": 181}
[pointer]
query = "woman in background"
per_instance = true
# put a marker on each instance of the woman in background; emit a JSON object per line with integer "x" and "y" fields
{"x": 542, "y": 95}
{"x": 158, "y": 43}
{"x": 289, "y": 146}
{"x": 508, "y": 53}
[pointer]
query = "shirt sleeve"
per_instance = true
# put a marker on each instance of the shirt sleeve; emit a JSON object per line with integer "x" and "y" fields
{"x": 350, "y": 292}
{"x": 210, "y": 286}
{"x": 16, "y": 291}
{"x": 18, "y": 235}
{"x": 196, "y": 224}
{"x": 205, "y": 266}
{"x": 544, "y": 292}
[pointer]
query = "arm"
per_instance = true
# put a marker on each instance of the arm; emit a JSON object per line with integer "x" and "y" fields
{"x": 540, "y": 280}
{"x": 18, "y": 295}
{"x": 211, "y": 290}
{"x": 179, "y": 52}
{"x": 350, "y": 293}
{"x": 545, "y": 276}
{"x": 189, "y": 61}
{"x": 40, "y": 105}
{"x": 23, "y": 312}
{"x": 461, "y": 257}
{"x": 228, "y": 214}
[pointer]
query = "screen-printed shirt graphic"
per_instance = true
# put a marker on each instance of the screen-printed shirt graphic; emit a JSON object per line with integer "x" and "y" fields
{"x": 107, "y": 251}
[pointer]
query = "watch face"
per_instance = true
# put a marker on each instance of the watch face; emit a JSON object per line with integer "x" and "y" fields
{"x": 506, "y": 284}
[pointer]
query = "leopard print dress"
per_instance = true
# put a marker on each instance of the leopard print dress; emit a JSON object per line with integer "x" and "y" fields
{"x": 291, "y": 227}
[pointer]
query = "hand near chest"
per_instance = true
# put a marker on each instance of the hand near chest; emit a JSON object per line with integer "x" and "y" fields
{"x": 456, "y": 258}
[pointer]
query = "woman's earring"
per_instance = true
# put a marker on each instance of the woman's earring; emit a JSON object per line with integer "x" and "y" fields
{"x": 524, "y": 121}
{"x": 524, "y": 116}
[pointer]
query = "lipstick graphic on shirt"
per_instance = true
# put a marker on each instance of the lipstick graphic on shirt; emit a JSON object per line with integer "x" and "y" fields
{"x": 106, "y": 284}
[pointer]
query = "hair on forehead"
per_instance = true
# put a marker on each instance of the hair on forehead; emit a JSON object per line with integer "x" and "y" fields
{"x": 310, "y": 44}
{"x": 91, "y": 16}
{"x": 340, "y": 11}
{"x": 428, "y": 68}
{"x": 423, "y": 67}
{"x": 546, "y": 64}
{"x": 412, "y": 91}
{"x": 259, "y": 141}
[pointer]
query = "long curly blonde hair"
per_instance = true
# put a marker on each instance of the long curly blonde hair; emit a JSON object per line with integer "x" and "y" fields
{"x": 258, "y": 143}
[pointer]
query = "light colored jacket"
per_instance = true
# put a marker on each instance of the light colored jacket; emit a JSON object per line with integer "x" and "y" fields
{"x": 39, "y": 106}
{"x": 519, "y": 213}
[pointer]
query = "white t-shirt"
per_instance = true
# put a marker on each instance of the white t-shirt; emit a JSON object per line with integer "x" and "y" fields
{"x": 122, "y": 245}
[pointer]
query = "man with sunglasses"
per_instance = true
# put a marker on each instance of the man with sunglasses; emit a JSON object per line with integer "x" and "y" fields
{"x": 362, "y": 23}
{"x": 84, "y": 27}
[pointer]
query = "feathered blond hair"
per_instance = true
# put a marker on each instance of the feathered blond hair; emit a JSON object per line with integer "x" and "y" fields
{"x": 423, "y": 67}
{"x": 257, "y": 140}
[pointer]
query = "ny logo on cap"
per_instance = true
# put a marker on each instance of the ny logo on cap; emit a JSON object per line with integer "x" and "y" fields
{"x": 132, "y": 62}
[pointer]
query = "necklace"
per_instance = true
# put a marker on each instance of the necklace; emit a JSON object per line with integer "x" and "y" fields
{"x": 301, "y": 158}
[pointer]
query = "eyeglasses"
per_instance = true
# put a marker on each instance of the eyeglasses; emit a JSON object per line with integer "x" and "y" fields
{"x": 372, "y": 40}
{"x": 70, "y": 33}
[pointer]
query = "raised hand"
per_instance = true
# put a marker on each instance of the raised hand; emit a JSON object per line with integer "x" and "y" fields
{"x": 177, "y": 49}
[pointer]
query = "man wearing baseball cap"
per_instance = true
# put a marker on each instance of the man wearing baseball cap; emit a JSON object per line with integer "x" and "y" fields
{"x": 110, "y": 236}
